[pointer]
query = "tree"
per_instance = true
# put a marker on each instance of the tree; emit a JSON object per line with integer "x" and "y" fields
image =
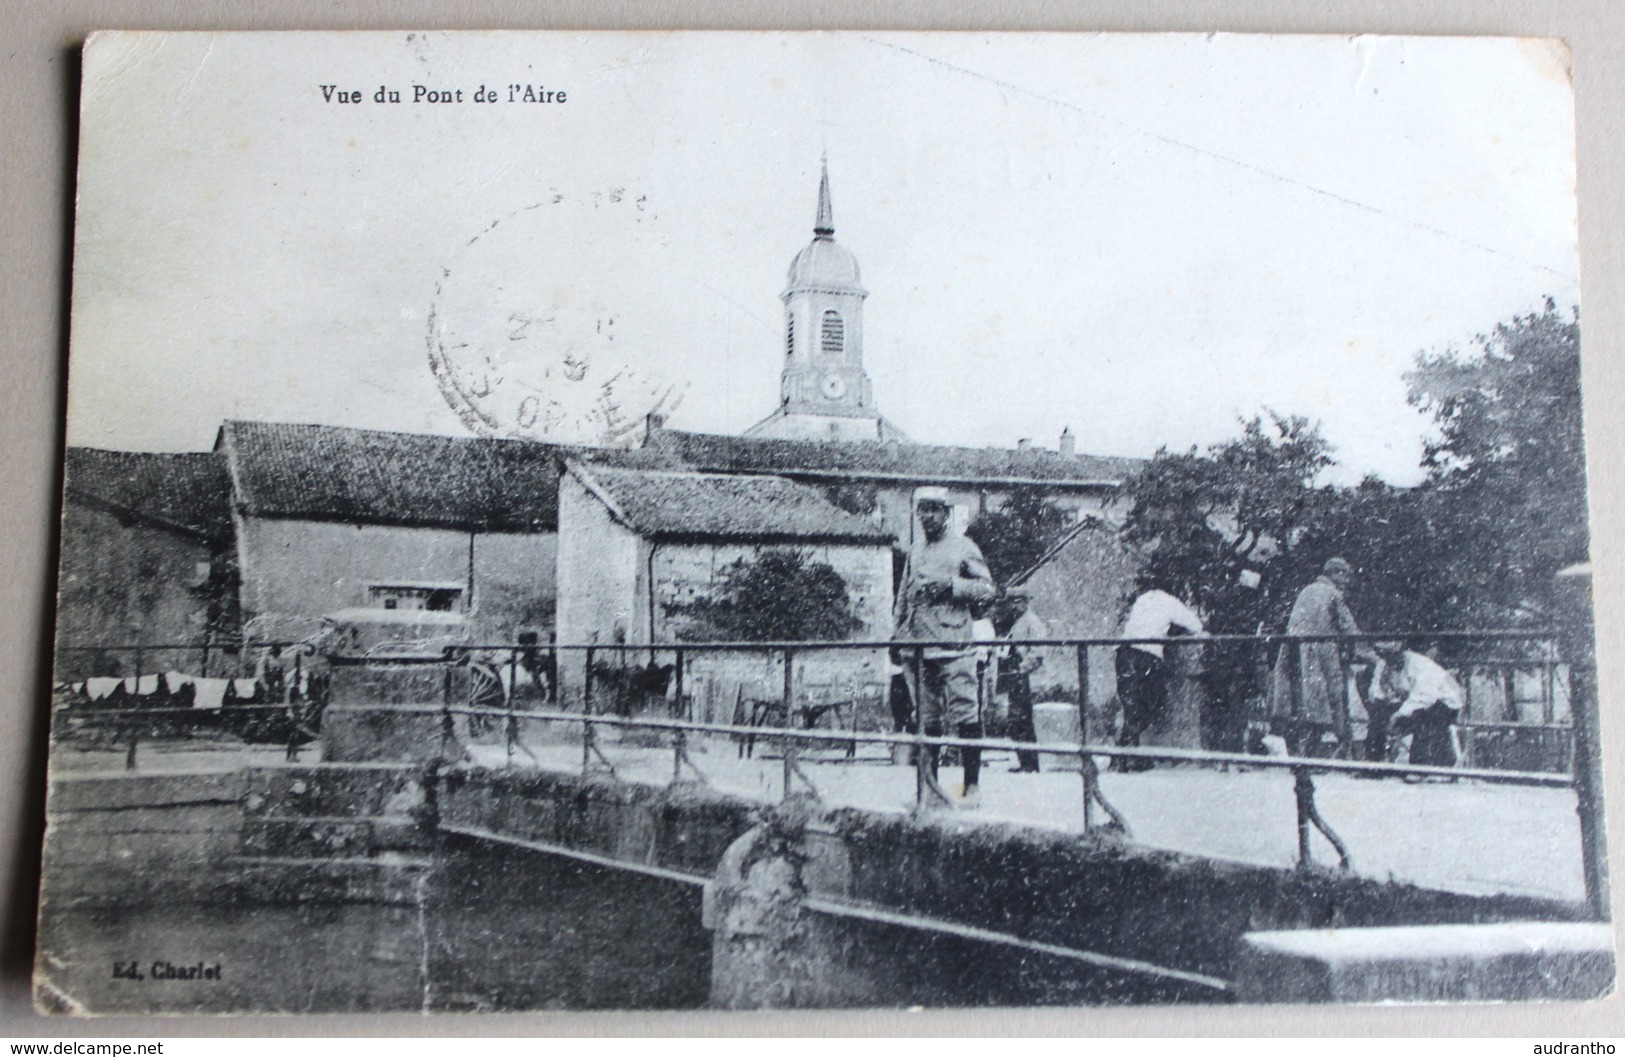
{"x": 1021, "y": 531}
{"x": 1248, "y": 505}
{"x": 1506, "y": 475}
{"x": 778, "y": 596}
{"x": 1232, "y": 532}
{"x": 1394, "y": 538}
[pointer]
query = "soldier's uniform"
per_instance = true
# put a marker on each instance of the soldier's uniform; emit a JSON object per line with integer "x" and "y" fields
{"x": 941, "y": 582}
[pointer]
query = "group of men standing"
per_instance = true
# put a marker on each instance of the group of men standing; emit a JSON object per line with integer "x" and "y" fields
{"x": 946, "y": 587}
{"x": 1405, "y": 693}
{"x": 1307, "y": 703}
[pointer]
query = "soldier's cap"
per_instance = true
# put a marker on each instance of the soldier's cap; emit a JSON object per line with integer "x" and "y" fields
{"x": 1337, "y": 565}
{"x": 931, "y": 496}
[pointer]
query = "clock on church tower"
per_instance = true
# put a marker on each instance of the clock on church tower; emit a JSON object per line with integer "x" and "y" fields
{"x": 824, "y": 393}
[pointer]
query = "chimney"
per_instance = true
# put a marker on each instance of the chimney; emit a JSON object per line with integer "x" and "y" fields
{"x": 652, "y": 421}
{"x": 1024, "y": 444}
{"x": 1069, "y": 443}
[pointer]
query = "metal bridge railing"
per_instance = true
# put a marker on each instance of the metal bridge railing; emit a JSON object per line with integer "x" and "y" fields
{"x": 1087, "y": 750}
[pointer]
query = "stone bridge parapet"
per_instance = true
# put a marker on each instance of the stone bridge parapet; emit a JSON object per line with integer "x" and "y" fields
{"x": 813, "y": 906}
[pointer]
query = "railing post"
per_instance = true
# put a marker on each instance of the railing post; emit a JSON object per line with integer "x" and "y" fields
{"x": 680, "y": 741}
{"x": 291, "y": 712}
{"x": 586, "y": 713}
{"x": 512, "y": 733}
{"x": 448, "y": 730}
{"x": 135, "y": 684}
{"x": 129, "y": 755}
{"x": 587, "y": 681}
{"x": 1579, "y": 647}
{"x": 1304, "y": 793}
{"x": 1086, "y": 772}
{"x": 916, "y": 692}
{"x": 789, "y": 704}
{"x": 1548, "y": 692}
{"x": 677, "y": 676}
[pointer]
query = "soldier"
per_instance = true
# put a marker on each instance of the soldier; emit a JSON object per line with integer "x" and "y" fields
{"x": 944, "y": 579}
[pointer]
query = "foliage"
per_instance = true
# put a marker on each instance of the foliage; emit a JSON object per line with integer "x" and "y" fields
{"x": 1248, "y": 505}
{"x": 780, "y": 595}
{"x": 1507, "y": 472}
{"x": 1477, "y": 543}
{"x": 1021, "y": 531}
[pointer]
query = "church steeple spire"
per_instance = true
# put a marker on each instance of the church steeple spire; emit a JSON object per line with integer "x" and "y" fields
{"x": 824, "y": 227}
{"x": 824, "y": 392}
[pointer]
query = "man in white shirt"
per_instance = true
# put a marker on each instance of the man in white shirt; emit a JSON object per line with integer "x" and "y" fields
{"x": 1142, "y": 672}
{"x": 1419, "y": 699}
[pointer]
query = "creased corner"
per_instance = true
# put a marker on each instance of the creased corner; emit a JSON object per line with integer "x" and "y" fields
{"x": 50, "y": 1000}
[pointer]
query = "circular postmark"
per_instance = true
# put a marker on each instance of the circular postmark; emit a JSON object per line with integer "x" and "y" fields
{"x": 545, "y": 324}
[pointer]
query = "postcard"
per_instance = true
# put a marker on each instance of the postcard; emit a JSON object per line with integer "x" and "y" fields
{"x": 641, "y": 521}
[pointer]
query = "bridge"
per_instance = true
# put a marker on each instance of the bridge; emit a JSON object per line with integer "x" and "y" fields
{"x": 819, "y": 873}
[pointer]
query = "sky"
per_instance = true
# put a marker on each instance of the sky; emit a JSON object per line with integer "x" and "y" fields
{"x": 1140, "y": 237}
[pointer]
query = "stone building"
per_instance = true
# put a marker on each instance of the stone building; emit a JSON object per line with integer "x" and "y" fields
{"x": 637, "y": 544}
{"x": 1081, "y": 587}
{"x": 283, "y": 524}
{"x": 828, "y": 432}
{"x": 327, "y": 519}
{"x": 879, "y": 480}
{"x": 146, "y": 539}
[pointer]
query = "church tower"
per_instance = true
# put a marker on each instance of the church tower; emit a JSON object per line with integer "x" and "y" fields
{"x": 824, "y": 392}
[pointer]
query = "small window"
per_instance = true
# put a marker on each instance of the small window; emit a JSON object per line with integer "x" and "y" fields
{"x": 435, "y": 597}
{"x": 834, "y": 341}
{"x": 789, "y": 334}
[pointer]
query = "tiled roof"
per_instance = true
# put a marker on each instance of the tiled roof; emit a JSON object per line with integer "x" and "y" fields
{"x": 333, "y": 473}
{"x": 666, "y": 504}
{"x": 185, "y": 490}
{"x": 900, "y": 462}
{"x": 336, "y": 474}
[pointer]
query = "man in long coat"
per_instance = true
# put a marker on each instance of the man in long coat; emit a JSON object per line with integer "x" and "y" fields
{"x": 1309, "y": 686}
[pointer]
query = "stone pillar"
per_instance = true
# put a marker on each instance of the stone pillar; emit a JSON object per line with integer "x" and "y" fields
{"x": 1180, "y": 724}
{"x": 1517, "y": 961}
{"x": 768, "y": 950}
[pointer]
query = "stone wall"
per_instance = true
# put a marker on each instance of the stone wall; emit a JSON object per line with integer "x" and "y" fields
{"x": 600, "y": 565}
{"x": 770, "y": 866}
{"x": 126, "y": 583}
{"x": 300, "y": 569}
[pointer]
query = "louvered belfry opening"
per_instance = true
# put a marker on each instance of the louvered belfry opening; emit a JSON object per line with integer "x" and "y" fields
{"x": 834, "y": 338}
